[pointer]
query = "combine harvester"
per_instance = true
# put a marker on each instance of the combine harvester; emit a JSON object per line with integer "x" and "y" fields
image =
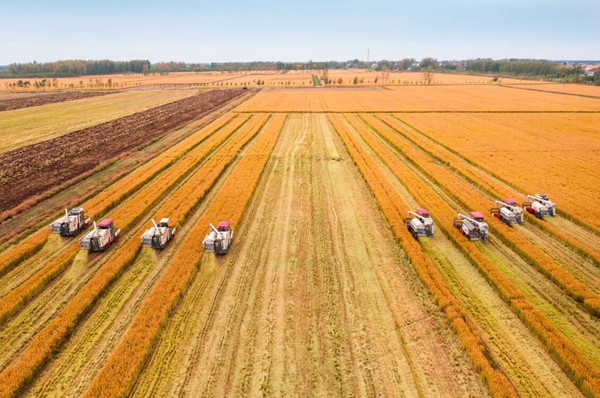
{"x": 539, "y": 205}
{"x": 474, "y": 228}
{"x": 218, "y": 239}
{"x": 508, "y": 211}
{"x": 419, "y": 223}
{"x": 159, "y": 235}
{"x": 100, "y": 237}
{"x": 71, "y": 223}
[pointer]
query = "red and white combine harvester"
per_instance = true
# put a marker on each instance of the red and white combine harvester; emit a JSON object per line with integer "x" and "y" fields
{"x": 98, "y": 239}
{"x": 508, "y": 211}
{"x": 73, "y": 222}
{"x": 419, "y": 223}
{"x": 474, "y": 228}
{"x": 539, "y": 205}
{"x": 218, "y": 239}
{"x": 159, "y": 235}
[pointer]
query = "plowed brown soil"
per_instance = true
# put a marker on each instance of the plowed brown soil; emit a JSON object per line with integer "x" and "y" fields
{"x": 33, "y": 169}
{"x": 37, "y": 100}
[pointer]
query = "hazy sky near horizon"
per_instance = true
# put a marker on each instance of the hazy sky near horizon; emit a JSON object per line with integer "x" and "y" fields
{"x": 267, "y": 30}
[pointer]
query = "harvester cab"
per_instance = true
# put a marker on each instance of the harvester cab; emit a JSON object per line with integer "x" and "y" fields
{"x": 508, "y": 211}
{"x": 73, "y": 222}
{"x": 159, "y": 235}
{"x": 474, "y": 228}
{"x": 100, "y": 237}
{"x": 539, "y": 205}
{"x": 419, "y": 223}
{"x": 218, "y": 239}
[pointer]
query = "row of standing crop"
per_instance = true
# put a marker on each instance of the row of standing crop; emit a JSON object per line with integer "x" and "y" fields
{"x": 40, "y": 349}
{"x": 126, "y": 361}
{"x": 115, "y": 193}
{"x": 124, "y": 217}
{"x": 481, "y": 179}
{"x": 581, "y": 370}
{"x": 468, "y": 197}
{"x": 394, "y": 208}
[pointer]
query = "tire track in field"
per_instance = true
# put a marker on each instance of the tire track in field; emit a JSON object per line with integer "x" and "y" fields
{"x": 88, "y": 349}
{"x": 520, "y": 353}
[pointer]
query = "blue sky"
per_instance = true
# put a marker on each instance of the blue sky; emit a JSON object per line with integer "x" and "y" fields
{"x": 198, "y": 31}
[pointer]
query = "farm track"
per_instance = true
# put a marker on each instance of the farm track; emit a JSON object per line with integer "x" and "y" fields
{"x": 582, "y": 344}
{"x": 518, "y": 352}
{"x": 35, "y": 168}
{"x": 18, "y": 103}
{"x": 274, "y": 283}
{"x": 88, "y": 349}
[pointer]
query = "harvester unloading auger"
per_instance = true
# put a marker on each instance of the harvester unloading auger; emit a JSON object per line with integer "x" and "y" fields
{"x": 419, "y": 223}
{"x": 539, "y": 205}
{"x": 98, "y": 239}
{"x": 159, "y": 235}
{"x": 218, "y": 239}
{"x": 73, "y": 222}
{"x": 474, "y": 228}
{"x": 508, "y": 211}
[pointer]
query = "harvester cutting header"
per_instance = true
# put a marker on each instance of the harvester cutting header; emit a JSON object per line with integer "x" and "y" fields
{"x": 73, "y": 222}
{"x": 539, "y": 205}
{"x": 218, "y": 239}
{"x": 508, "y": 211}
{"x": 419, "y": 223}
{"x": 100, "y": 237}
{"x": 159, "y": 235}
{"x": 474, "y": 228}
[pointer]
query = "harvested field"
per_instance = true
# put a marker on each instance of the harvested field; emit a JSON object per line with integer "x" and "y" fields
{"x": 417, "y": 100}
{"x": 324, "y": 292}
{"x": 22, "y": 127}
{"x": 570, "y": 89}
{"x": 41, "y": 166}
{"x": 18, "y": 103}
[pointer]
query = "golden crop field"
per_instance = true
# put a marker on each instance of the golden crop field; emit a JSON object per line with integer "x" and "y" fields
{"x": 324, "y": 290}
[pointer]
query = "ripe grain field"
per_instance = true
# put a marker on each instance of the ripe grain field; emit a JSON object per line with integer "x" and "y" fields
{"x": 324, "y": 291}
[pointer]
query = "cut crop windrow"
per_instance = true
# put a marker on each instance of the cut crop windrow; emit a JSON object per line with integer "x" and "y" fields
{"x": 579, "y": 368}
{"x": 394, "y": 208}
{"x": 17, "y": 375}
{"x": 469, "y": 198}
{"x": 124, "y": 217}
{"x": 119, "y": 373}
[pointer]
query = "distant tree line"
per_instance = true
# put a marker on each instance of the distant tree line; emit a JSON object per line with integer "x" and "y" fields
{"x": 70, "y": 68}
{"x": 513, "y": 67}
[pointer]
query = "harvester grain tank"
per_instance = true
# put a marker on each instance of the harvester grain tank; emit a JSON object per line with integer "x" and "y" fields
{"x": 474, "y": 228}
{"x": 539, "y": 205}
{"x": 159, "y": 235}
{"x": 508, "y": 211}
{"x": 73, "y": 222}
{"x": 100, "y": 237}
{"x": 218, "y": 239}
{"x": 419, "y": 223}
